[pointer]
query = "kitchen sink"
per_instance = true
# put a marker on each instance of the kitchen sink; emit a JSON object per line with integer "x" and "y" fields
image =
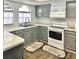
{"x": 26, "y": 25}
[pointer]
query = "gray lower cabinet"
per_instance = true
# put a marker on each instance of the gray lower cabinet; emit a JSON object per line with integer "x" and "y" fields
{"x": 70, "y": 41}
{"x": 14, "y": 53}
{"x": 35, "y": 34}
{"x": 31, "y": 35}
{"x": 27, "y": 37}
{"x": 43, "y": 33}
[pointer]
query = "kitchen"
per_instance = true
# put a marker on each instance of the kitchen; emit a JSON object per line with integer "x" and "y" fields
{"x": 39, "y": 29}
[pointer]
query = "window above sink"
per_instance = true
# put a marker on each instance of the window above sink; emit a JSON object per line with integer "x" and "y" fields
{"x": 24, "y": 14}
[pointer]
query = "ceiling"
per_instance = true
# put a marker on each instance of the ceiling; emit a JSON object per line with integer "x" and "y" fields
{"x": 40, "y": 0}
{"x": 33, "y": 2}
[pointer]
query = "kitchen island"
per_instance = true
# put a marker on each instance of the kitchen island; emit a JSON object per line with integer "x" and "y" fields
{"x": 12, "y": 46}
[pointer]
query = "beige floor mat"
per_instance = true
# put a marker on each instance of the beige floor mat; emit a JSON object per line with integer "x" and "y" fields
{"x": 34, "y": 46}
{"x": 54, "y": 51}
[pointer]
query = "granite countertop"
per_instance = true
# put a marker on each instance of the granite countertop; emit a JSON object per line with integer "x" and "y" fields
{"x": 11, "y": 41}
{"x": 14, "y": 28}
{"x": 71, "y": 29}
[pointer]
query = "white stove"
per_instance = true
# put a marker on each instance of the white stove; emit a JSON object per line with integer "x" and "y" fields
{"x": 56, "y": 37}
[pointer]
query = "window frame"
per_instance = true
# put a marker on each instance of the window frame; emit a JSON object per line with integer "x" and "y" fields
{"x": 23, "y": 13}
{"x": 7, "y": 17}
{"x": 5, "y": 10}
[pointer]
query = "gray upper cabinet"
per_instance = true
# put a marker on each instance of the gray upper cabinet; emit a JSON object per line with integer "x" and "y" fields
{"x": 71, "y": 9}
{"x": 46, "y": 10}
{"x": 39, "y": 11}
{"x": 58, "y": 9}
{"x": 70, "y": 40}
{"x": 42, "y": 10}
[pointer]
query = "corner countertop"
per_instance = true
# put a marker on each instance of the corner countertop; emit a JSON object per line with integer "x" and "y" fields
{"x": 17, "y": 27}
{"x": 11, "y": 41}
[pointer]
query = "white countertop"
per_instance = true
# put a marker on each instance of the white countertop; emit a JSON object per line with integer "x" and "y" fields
{"x": 71, "y": 29}
{"x": 11, "y": 41}
{"x": 14, "y": 28}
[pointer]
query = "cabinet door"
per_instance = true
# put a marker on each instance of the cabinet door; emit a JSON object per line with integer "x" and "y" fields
{"x": 58, "y": 10}
{"x": 43, "y": 10}
{"x": 39, "y": 11}
{"x": 44, "y": 33}
{"x": 71, "y": 9}
{"x": 46, "y": 10}
{"x": 14, "y": 53}
{"x": 27, "y": 37}
{"x": 35, "y": 35}
{"x": 70, "y": 42}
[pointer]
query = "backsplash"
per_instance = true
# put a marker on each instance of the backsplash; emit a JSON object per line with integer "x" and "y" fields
{"x": 45, "y": 21}
{"x": 49, "y": 21}
{"x": 71, "y": 22}
{"x": 68, "y": 22}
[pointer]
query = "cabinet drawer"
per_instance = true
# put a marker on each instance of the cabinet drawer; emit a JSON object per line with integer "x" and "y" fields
{"x": 70, "y": 32}
{"x": 35, "y": 28}
{"x": 19, "y": 31}
{"x": 43, "y": 28}
{"x": 28, "y": 29}
{"x": 13, "y": 32}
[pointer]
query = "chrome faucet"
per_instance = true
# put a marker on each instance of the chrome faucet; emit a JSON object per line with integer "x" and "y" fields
{"x": 27, "y": 20}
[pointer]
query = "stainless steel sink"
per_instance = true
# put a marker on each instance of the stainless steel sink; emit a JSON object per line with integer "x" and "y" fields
{"x": 25, "y": 24}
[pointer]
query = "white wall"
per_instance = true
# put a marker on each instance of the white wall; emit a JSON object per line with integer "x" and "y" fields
{"x": 15, "y": 12}
{"x": 35, "y": 20}
{"x": 49, "y": 21}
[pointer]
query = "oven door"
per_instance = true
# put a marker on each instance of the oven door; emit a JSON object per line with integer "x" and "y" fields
{"x": 56, "y": 38}
{"x": 55, "y": 35}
